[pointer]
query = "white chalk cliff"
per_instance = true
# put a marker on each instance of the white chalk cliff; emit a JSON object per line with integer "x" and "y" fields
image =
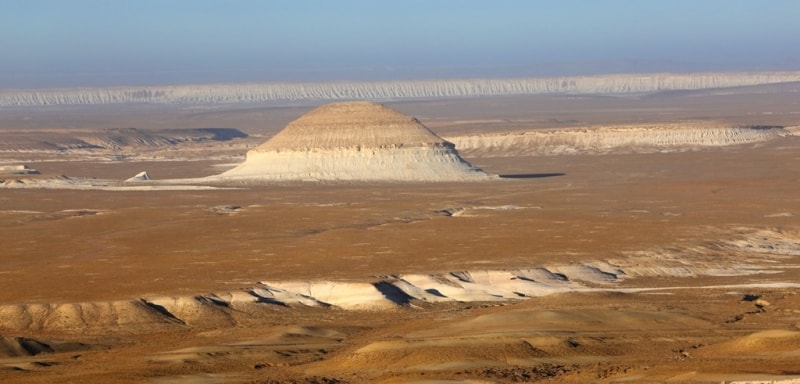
{"x": 386, "y": 90}
{"x": 641, "y": 138}
{"x": 355, "y": 141}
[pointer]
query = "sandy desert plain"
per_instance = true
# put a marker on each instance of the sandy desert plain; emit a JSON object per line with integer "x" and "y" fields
{"x": 626, "y": 243}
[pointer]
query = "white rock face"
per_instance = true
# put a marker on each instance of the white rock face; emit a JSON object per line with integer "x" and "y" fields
{"x": 356, "y": 141}
{"x": 435, "y": 163}
{"x": 385, "y": 90}
{"x": 631, "y": 138}
{"x": 141, "y": 176}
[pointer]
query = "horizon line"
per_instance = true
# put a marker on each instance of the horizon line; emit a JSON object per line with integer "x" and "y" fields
{"x": 408, "y": 80}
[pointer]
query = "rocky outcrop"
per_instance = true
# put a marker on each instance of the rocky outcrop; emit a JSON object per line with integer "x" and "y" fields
{"x": 385, "y": 90}
{"x": 141, "y": 176}
{"x": 614, "y": 139}
{"x": 357, "y": 141}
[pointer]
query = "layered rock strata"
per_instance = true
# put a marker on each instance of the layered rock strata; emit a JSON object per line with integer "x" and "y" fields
{"x": 356, "y": 141}
{"x": 385, "y": 90}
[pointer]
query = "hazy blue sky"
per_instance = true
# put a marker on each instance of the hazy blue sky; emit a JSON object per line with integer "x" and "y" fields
{"x": 115, "y": 42}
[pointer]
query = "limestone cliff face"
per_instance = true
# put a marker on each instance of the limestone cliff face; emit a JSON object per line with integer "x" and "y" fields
{"x": 624, "y": 138}
{"x": 385, "y": 90}
{"x": 356, "y": 141}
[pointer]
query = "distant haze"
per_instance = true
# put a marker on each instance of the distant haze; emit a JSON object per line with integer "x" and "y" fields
{"x": 50, "y": 43}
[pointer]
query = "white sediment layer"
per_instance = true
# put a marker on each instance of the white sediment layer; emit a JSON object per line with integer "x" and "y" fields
{"x": 633, "y": 138}
{"x": 384, "y": 90}
{"x": 345, "y": 295}
{"x": 434, "y": 163}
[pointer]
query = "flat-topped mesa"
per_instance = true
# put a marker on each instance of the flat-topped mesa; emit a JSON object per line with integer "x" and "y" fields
{"x": 356, "y": 141}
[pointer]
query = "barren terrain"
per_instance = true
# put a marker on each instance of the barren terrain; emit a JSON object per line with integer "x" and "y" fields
{"x": 660, "y": 243}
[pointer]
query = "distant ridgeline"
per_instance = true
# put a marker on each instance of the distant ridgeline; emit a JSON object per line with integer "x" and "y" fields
{"x": 386, "y": 90}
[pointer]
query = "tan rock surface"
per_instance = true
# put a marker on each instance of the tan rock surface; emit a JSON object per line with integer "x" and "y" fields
{"x": 351, "y": 125}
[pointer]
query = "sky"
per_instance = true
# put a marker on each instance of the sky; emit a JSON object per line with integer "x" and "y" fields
{"x": 67, "y": 43}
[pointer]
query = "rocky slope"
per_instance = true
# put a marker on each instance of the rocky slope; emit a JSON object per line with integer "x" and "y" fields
{"x": 109, "y": 139}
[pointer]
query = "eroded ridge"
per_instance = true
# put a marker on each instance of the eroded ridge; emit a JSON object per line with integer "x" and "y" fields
{"x": 753, "y": 252}
{"x": 666, "y": 137}
{"x": 382, "y": 90}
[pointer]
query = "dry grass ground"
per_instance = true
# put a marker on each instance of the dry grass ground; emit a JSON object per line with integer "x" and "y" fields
{"x": 73, "y": 246}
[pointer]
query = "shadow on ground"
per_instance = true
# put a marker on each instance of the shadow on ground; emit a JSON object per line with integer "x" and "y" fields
{"x": 225, "y": 134}
{"x": 530, "y": 175}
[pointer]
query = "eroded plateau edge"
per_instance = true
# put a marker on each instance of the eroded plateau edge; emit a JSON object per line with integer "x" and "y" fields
{"x": 747, "y": 252}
